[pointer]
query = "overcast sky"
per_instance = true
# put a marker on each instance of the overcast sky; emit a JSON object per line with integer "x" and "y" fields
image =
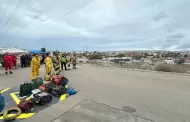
{"x": 100, "y": 24}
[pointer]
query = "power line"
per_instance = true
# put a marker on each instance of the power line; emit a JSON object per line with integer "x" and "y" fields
{"x": 20, "y": 2}
{"x": 26, "y": 10}
{"x": 5, "y": 9}
{"x": 70, "y": 12}
{"x": 52, "y": 4}
{"x": 29, "y": 7}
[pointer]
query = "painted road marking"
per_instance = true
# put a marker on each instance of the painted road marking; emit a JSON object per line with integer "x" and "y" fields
{"x": 17, "y": 100}
{"x": 4, "y": 90}
{"x": 22, "y": 116}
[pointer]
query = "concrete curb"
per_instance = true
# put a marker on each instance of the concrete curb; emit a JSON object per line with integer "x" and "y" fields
{"x": 55, "y": 111}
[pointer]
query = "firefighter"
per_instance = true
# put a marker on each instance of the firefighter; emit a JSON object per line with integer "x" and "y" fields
{"x": 59, "y": 59}
{"x": 55, "y": 63}
{"x": 74, "y": 61}
{"x": 7, "y": 63}
{"x": 48, "y": 65}
{"x": 68, "y": 58}
{"x": 35, "y": 65}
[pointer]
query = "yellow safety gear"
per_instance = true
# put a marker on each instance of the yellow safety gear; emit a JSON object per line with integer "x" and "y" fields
{"x": 35, "y": 65}
{"x": 49, "y": 65}
{"x": 59, "y": 65}
{"x": 68, "y": 58}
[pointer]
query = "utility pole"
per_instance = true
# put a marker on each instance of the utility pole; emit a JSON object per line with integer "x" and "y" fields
{"x": 83, "y": 48}
{"x": 86, "y": 49}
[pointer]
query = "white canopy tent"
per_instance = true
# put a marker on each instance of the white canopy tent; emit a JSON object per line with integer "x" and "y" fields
{"x": 13, "y": 51}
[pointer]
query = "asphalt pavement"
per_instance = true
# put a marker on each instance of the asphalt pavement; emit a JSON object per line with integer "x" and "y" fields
{"x": 139, "y": 96}
{"x": 18, "y": 77}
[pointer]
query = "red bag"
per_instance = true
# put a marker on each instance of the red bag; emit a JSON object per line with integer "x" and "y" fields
{"x": 56, "y": 79}
{"x": 25, "y": 105}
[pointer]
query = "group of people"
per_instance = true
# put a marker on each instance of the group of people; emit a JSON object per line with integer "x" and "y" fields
{"x": 10, "y": 61}
{"x": 57, "y": 62}
{"x": 25, "y": 60}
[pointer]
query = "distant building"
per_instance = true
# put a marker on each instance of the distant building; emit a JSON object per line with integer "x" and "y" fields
{"x": 169, "y": 61}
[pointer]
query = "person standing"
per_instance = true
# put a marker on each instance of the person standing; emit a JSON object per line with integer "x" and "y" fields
{"x": 22, "y": 60}
{"x": 48, "y": 66}
{"x": 59, "y": 59}
{"x": 74, "y": 61}
{"x": 29, "y": 59}
{"x": 55, "y": 63}
{"x": 25, "y": 60}
{"x": 7, "y": 63}
{"x": 63, "y": 62}
{"x": 35, "y": 65}
{"x": 68, "y": 58}
{"x": 14, "y": 61}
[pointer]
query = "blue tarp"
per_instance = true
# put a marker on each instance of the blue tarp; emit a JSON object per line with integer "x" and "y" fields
{"x": 36, "y": 51}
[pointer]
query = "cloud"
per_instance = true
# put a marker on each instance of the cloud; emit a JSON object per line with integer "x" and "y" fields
{"x": 100, "y": 24}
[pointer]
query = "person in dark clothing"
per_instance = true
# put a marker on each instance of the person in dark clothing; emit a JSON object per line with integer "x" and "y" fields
{"x": 43, "y": 59}
{"x": 25, "y": 60}
{"x": 29, "y": 59}
{"x": 63, "y": 62}
{"x": 22, "y": 60}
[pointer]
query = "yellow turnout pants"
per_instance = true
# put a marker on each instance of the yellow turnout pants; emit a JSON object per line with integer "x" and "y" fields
{"x": 48, "y": 72}
{"x": 35, "y": 73}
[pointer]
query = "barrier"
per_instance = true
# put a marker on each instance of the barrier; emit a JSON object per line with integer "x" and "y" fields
{"x": 12, "y": 100}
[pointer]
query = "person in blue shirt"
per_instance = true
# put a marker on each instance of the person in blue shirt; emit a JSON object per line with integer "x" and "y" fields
{"x": 2, "y": 103}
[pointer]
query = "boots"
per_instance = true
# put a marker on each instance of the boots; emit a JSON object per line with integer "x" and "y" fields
{"x": 10, "y": 72}
{"x": 6, "y": 73}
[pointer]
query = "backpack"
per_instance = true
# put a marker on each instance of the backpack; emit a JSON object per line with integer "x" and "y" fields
{"x": 63, "y": 81}
{"x": 25, "y": 105}
{"x": 71, "y": 91}
{"x": 49, "y": 87}
{"x": 40, "y": 97}
{"x": 58, "y": 91}
{"x": 25, "y": 89}
{"x": 37, "y": 82}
